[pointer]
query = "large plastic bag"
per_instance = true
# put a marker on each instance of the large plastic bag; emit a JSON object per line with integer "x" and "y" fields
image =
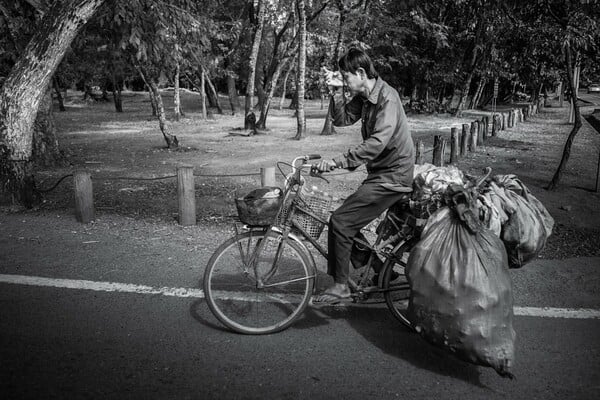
{"x": 489, "y": 214}
{"x": 524, "y": 233}
{"x": 430, "y": 180}
{"x": 461, "y": 292}
{"x": 514, "y": 184}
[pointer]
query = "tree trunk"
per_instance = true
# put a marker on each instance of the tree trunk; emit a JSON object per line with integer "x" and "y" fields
{"x": 150, "y": 93}
{"x": 234, "y": 100}
{"x": 465, "y": 92}
{"x": 479, "y": 30}
{"x": 261, "y": 93}
{"x": 117, "y": 93}
{"x": 212, "y": 94}
{"x": 253, "y": 57}
{"x": 328, "y": 128}
{"x": 176, "y": 98}
{"x": 116, "y": 84}
{"x": 25, "y": 86}
{"x": 567, "y": 149}
{"x": 45, "y": 149}
{"x": 301, "y": 72}
{"x": 285, "y": 80}
{"x": 170, "y": 139}
{"x": 61, "y": 103}
{"x": 203, "y": 94}
{"x": 264, "y": 111}
{"x": 294, "y": 103}
{"x": 478, "y": 93}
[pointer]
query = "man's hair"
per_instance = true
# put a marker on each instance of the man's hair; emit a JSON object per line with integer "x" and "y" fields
{"x": 355, "y": 59}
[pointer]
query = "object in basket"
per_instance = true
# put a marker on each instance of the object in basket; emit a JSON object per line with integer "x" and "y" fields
{"x": 265, "y": 192}
{"x": 259, "y": 207}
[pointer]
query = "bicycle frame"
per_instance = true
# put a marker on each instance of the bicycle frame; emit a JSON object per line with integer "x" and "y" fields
{"x": 295, "y": 182}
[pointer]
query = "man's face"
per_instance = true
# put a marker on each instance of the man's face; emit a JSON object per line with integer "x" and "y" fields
{"x": 353, "y": 81}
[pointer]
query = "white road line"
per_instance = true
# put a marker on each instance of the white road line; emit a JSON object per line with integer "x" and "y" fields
{"x": 543, "y": 312}
{"x": 100, "y": 286}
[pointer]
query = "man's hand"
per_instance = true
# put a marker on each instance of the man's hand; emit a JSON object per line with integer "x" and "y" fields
{"x": 326, "y": 165}
{"x": 333, "y": 79}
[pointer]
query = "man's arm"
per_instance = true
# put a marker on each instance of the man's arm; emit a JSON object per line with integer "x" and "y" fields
{"x": 345, "y": 112}
{"x": 385, "y": 122}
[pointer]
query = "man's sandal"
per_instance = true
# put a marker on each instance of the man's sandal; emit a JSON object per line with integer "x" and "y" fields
{"x": 329, "y": 299}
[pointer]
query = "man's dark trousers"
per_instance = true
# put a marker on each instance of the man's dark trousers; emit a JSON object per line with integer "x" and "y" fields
{"x": 362, "y": 207}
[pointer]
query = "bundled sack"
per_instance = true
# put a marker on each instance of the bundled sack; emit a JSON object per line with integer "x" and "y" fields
{"x": 514, "y": 184}
{"x": 461, "y": 292}
{"x": 524, "y": 233}
{"x": 430, "y": 180}
{"x": 429, "y": 187}
{"x": 491, "y": 216}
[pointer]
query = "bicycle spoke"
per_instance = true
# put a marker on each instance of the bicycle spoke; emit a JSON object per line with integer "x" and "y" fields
{"x": 243, "y": 305}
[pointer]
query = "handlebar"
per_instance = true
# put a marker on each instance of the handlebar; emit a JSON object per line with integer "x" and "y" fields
{"x": 302, "y": 162}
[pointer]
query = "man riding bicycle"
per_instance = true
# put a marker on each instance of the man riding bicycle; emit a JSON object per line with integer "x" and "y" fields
{"x": 387, "y": 150}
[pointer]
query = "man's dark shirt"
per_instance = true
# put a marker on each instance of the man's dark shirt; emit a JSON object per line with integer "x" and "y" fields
{"x": 387, "y": 146}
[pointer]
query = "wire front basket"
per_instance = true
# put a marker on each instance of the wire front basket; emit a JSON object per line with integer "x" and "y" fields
{"x": 317, "y": 203}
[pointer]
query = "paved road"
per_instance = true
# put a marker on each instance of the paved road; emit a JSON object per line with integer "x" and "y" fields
{"x": 93, "y": 344}
{"x": 73, "y": 344}
{"x": 592, "y": 99}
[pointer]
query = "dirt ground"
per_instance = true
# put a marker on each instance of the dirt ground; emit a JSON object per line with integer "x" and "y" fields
{"x": 132, "y": 172}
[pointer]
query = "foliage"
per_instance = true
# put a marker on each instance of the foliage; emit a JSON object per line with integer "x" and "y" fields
{"x": 426, "y": 49}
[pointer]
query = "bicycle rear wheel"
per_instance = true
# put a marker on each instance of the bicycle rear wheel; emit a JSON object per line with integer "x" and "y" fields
{"x": 231, "y": 289}
{"x": 395, "y": 285}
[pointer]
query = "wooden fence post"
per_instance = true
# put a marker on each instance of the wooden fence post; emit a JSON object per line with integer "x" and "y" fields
{"x": 419, "y": 152}
{"x": 486, "y": 122}
{"x": 439, "y": 149}
{"x": 473, "y": 137}
{"x": 186, "y": 195}
{"x": 464, "y": 139}
{"x": 479, "y": 132}
{"x": 84, "y": 197}
{"x": 267, "y": 176}
{"x": 503, "y": 126}
{"x": 454, "y": 145}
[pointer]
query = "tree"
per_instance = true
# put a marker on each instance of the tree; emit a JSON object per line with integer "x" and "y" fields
{"x": 150, "y": 32}
{"x": 343, "y": 10}
{"x": 25, "y": 87}
{"x": 301, "y": 71}
{"x": 579, "y": 26}
{"x": 258, "y": 22}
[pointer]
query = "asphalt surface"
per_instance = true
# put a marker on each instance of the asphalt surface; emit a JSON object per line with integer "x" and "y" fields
{"x": 82, "y": 344}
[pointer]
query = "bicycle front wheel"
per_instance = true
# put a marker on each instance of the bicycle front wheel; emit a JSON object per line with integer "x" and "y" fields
{"x": 264, "y": 298}
{"x": 395, "y": 285}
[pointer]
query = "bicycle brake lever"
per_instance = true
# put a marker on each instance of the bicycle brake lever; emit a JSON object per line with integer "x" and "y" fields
{"x": 314, "y": 172}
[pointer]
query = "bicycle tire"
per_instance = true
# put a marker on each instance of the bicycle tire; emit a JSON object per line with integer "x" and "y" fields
{"x": 397, "y": 292}
{"x": 230, "y": 285}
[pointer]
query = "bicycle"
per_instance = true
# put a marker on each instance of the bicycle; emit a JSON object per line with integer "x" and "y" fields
{"x": 261, "y": 280}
